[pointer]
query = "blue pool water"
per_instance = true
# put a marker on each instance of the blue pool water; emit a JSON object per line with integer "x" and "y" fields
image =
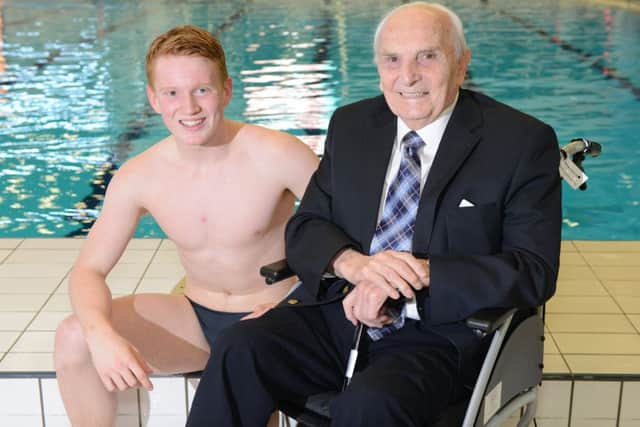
{"x": 73, "y": 108}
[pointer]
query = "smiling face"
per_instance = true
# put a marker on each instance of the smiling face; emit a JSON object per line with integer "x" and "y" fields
{"x": 190, "y": 94}
{"x": 419, "y": 70}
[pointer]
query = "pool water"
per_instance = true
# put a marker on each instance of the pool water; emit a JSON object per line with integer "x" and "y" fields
{"x": 73, "y": 105}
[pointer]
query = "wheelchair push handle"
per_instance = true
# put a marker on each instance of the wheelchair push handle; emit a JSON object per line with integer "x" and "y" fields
{"x": 571, "y": 157}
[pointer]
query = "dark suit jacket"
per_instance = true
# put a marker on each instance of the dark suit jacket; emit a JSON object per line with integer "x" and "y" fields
{"x": 502, "y": 252}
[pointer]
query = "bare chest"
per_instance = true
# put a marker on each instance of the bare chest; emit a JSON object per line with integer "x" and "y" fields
{"x": 209, "y": 214}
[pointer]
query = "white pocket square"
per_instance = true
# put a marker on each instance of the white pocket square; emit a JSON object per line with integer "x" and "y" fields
{"x": 464, "y": 203}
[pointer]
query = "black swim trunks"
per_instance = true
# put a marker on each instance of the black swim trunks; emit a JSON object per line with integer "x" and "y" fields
{"x": 212, "y": 322}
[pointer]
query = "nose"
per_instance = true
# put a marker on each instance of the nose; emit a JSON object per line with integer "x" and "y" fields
{"x": 191, "y": 105}
{"x": 409, "y": 72}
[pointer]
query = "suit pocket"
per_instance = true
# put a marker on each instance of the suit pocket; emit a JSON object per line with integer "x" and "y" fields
{"x": 474, "y": 230}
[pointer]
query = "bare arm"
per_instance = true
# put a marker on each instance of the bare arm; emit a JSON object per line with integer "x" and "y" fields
{"x": 90, "y": 295}
{"x": 296, "y": 164}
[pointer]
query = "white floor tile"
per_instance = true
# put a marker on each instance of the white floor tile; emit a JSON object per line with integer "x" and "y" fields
{"x": 127, "y": 270}
{"x": 48, "y": 320}
{"x": 58, "y": 302}
{"x": 153, "y": 285}
{"x": 593, "y": 422}
{"x": 135, "y": 256}
{"x": 51, "y": 400}
{"x": 552, "y": 422}
{"x": 167, "y": 256}
{"x": 167, "y": 398}
{"x": 20, "y": 396}
{"x": 629, "y": 407}
{"x": 553, "y": 399}
{"x": 62, "y": 243}
{"x": 15, "y": 320}
{"x": 165, "y": 421}
{"x": 173, "y": 271}
{"x": 56, "y": 420}
{"x": 28, "y": 285}
{"x": 595, "y": 399}
{"x": 192, "y": 386}
{"x": 22, "y": 302}
{"x": 167, "y": 245}
{"x": 9, "y": 243}
{"x": 35, "y": 342}
{"x": 38, "y": 256}
{"x": 123, "y": 285}
{"x": 144, "y": 244}
{"x": 27, "y": 362}
{"x": 57, "y": 271}
{"x": 21, "y": 420}
{"x": 7, "y": 338}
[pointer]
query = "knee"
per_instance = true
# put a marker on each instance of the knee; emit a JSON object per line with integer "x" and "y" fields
{"x": 70, "y": 347}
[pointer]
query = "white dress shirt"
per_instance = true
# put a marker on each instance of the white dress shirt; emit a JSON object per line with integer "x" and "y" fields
{"x": 431, "y": 134}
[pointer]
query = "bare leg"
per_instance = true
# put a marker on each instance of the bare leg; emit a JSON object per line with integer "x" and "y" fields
{"x": 162, "y": 327}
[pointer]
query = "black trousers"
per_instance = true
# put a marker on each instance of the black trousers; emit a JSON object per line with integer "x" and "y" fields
{"x": 405, "y": 379}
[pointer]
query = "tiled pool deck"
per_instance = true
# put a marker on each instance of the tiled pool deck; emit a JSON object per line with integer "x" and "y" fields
{"x": 592, "y": 351}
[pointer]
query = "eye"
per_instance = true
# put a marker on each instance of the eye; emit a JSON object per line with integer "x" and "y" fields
{"x": 170, "y": 92}
{"x": 390, "y": 61}
{"x": 426, "y": 56}
{"x": 203, "y": 90}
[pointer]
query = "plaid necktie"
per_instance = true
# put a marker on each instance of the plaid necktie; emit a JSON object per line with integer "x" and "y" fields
{"x": 395, "y": 229}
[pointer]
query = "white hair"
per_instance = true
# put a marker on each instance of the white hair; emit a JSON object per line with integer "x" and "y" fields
{"x": 459, "y": 42}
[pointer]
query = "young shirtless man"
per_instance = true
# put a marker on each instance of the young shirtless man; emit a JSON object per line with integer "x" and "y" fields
{"x": 222, "y": 191}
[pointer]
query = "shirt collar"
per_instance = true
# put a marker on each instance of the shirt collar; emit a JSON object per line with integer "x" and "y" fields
{"x": 431, "y": 133}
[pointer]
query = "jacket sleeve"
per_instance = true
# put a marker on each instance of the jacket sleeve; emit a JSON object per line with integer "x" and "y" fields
{"x": 312, "y": 239}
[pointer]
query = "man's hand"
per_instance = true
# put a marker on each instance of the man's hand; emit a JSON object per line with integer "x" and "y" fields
{"x": 119, "y": 364}
{"x": 259, "y": 310}
{"x": 365, "y": 303}
{"x": 393, "y": 272}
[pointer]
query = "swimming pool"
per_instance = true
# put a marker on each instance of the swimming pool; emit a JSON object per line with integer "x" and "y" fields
{"x": 73, "y": 108}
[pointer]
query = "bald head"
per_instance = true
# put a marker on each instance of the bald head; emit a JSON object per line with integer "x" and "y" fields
{"x": 409, "y": 10}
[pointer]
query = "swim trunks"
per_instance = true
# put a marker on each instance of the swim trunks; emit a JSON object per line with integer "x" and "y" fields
{"x": 212, "y": 322}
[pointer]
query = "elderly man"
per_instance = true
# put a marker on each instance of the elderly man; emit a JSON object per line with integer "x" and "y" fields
{"x": 431, "y": 202}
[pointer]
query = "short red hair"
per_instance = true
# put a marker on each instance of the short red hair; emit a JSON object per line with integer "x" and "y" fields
{"x": 186, "y": 40}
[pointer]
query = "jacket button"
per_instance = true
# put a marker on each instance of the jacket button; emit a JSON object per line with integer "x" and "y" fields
{"x": 293, "y": 301}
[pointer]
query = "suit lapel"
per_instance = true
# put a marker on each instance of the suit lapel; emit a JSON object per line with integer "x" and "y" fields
{"x": 457, "y": 143}
{"x": 378, "y": 142}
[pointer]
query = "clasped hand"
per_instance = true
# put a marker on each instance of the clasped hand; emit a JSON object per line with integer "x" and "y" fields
{"x": 387, "y": 274}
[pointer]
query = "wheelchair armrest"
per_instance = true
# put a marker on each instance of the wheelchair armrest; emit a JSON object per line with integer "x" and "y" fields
{"x": 276, "y": 271}
{"x": 488, "y": 320}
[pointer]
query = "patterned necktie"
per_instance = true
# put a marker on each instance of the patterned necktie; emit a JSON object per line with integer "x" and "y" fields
{"x": 395, "y": 229}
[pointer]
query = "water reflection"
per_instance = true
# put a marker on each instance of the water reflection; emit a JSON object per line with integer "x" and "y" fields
{"x": 72, "y": 103}
{"x": 283, "y": 94}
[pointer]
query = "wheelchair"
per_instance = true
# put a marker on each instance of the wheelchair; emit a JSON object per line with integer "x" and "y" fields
{"x": 507, "y": 384}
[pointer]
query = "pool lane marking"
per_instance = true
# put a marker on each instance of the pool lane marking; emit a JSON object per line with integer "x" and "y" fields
{"x": 594, "y": 61}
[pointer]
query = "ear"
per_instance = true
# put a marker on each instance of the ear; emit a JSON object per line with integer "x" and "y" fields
{"x": 227, "y": 88}
{"x": 463, "y": 65}
{"x": 153, "y": 99}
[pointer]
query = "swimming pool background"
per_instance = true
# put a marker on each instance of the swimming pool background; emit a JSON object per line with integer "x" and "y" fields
{"x": 73, "y": 108}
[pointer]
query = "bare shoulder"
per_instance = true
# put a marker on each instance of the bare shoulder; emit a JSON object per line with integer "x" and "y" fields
{"x": 271, "y": 145}
{"x": 278, "y": 155}
{"x": 134, "y": 174}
